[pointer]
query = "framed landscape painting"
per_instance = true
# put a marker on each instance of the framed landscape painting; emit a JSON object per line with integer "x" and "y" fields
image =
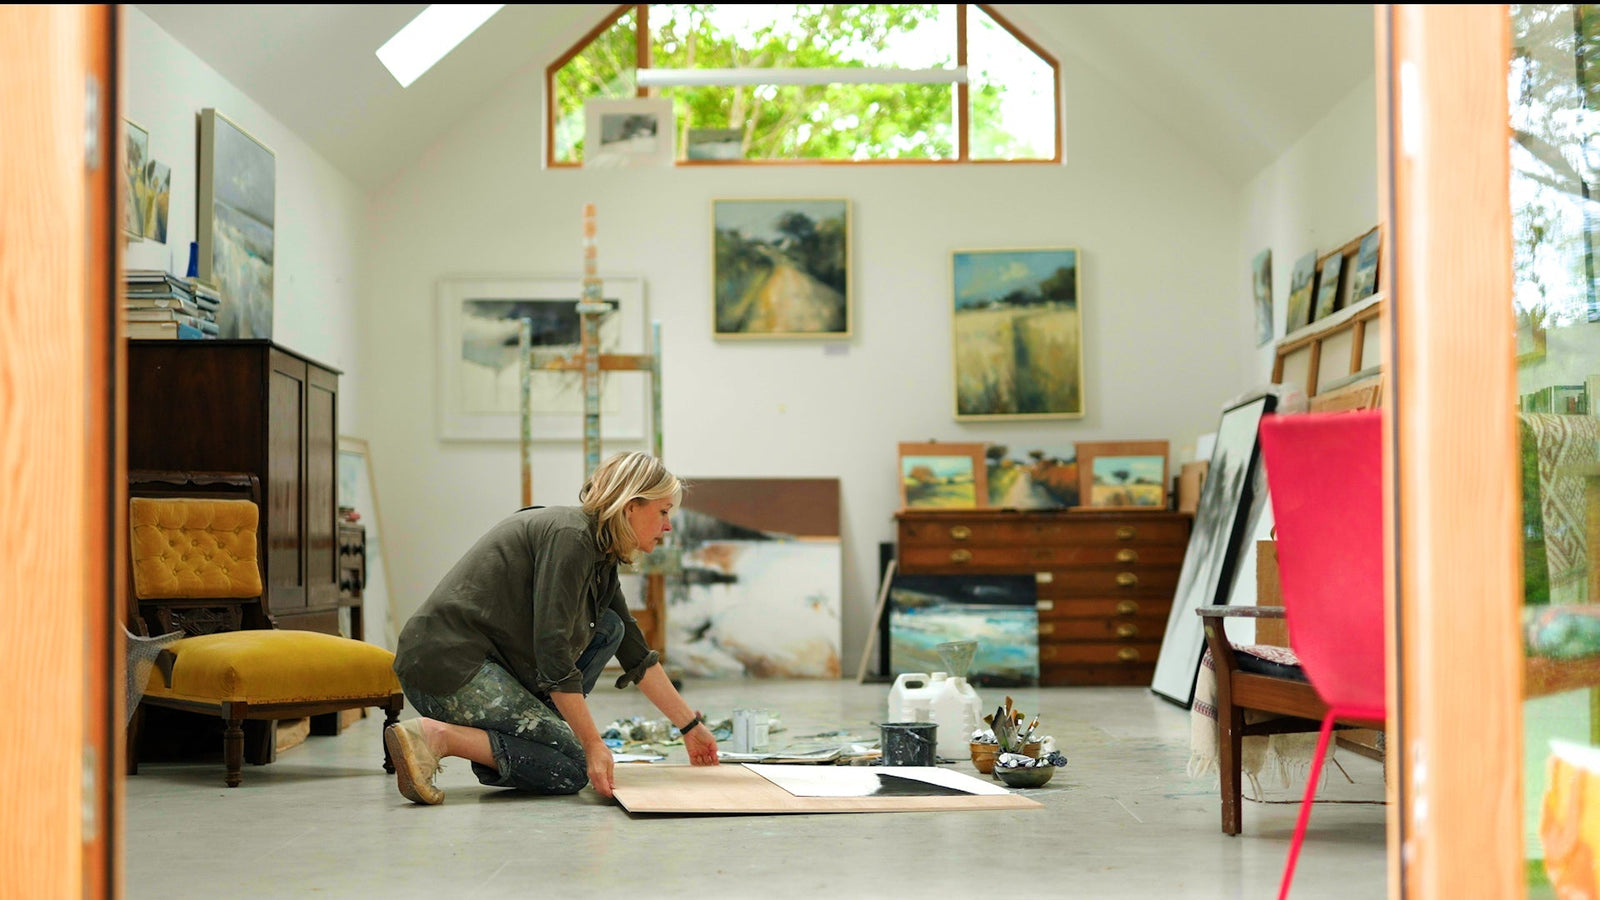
{"x": 1122, "y": 474}
{"x": 236, "y": 224}
{"x": 480, "y": 373}
{"x": 1364, "y": 280}
{"x": 1017, "y": 333}
{"x": 943, "y": 476}
{"x": 1328, "y": 283}
{"x": 1261, "y": 288}
{"x": 780, "y": 268}
{"x": 1302, "y": 281}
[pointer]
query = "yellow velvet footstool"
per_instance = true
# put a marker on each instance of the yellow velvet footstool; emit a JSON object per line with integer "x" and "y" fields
{"x": 198, "y": 549}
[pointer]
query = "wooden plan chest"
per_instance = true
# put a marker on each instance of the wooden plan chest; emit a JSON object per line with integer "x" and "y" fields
{"x": 1105, "y": 579}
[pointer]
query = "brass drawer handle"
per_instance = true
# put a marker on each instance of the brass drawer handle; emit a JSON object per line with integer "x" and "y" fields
{"x": 960, "y": 533}
{"x": 960, "y": 556}
{"x": 1127, "y": 608}
{"x": 1047, "y": 628}
{"x": 1128, "y": 654}
{"x": 1127, "y": 630}
{"x": 1126, "y": 555}
{"x": 1046, "y": 654}
{"x": 1127, "y": 533}
{"x": 1127, "y": 579}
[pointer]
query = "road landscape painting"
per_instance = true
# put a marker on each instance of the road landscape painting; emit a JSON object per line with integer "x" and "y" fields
{"x": 781, "y": 268}
{"x": 1018, "y": 336}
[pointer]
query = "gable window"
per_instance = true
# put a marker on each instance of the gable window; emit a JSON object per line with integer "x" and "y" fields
{"x": 822, "y": 83}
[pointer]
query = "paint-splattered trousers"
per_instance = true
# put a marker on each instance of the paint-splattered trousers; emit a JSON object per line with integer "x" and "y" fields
{"x": 533, "y": 748}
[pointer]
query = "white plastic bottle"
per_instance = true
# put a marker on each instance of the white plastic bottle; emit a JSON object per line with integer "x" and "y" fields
{"x": 911, "y": 697}
{"x": 956, "y": 710}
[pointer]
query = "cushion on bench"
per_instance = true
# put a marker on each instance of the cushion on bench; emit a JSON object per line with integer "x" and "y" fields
{"x": 267, "y": 666}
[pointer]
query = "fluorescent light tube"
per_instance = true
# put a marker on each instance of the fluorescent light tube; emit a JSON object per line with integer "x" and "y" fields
{"x": 426, "y": 39}
{"x": 870, "y": 75}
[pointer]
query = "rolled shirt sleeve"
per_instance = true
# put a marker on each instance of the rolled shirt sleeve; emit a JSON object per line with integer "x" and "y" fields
{"x": 558, "y": 610}
{"x": 634, "y": 654}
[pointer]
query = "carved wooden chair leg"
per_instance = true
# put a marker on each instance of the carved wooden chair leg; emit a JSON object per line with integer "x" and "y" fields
{"x": 391, "y": 715}
{"x": 233, "y": 743}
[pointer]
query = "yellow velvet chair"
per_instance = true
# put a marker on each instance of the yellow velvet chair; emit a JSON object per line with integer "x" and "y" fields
{"x": 195, "y": 551}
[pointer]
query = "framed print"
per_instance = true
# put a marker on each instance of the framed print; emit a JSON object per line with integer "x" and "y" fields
{"x": 1302, "y": 281}
{"x": 633, "y": 132}
{"x": 1208, "y": 563}
{"x": 480, "y": 375}
{"x": 780, "y": 268}
{"x": 358, "y": 492}
{"x": 1122, "y": 475}
{"x": 1328, "y": 283}
{"x": 1261, "y": 288}
{"x": 136, "y": 151}
{"x": 1364, "y": 279}
{"x": 943, "y": 476}
{"x": 235, "y": 224}
{"x": 1017, "y": 334}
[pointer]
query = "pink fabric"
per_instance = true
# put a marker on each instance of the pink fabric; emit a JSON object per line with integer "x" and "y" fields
{"x": 1325, "y": 475}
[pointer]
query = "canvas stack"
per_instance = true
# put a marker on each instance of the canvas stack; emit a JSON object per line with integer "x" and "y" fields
{"x": 161, "y": 305}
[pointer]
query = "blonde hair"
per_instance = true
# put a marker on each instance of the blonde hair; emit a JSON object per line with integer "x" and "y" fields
{"x": 620, "y": 480}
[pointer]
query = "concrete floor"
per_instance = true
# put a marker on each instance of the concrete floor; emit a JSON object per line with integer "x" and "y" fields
{"x": 1122, "y": 820}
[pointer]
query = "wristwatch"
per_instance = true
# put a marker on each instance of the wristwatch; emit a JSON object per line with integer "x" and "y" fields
{"x": 699, "y": 719}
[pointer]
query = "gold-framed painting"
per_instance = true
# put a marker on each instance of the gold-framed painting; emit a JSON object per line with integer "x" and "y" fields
{"x": 780, "y": 268}
{"x": 1017, "y": 333}
{"x": 936, "y": 475}
{"x": 1127, "y": 475}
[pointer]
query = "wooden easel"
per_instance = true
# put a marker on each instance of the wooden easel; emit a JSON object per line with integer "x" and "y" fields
{"x": 591, "y": 362}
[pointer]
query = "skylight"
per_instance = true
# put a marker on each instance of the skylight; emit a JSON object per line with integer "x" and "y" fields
{"x": 426, "y": 39}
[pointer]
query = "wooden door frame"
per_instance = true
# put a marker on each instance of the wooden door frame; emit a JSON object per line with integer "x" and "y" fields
{"x": 1454, "y": 555}
{"x": 60, "y": 540}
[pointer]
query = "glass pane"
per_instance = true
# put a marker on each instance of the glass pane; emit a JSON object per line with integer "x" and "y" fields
{"x": 1013, "y": 94}
{"x": 602, "y": 70}
{"x": 870, "y": 121}
{"x": 1555, "y": 167}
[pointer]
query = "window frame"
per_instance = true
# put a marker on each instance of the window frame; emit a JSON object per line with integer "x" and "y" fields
{"x": 963, "y": 104}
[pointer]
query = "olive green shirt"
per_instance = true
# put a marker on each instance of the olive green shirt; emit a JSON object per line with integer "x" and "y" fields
{"x": 528, "y": 596}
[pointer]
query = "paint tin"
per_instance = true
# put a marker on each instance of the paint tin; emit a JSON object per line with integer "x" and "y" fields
{"x": 751, "y": 728}
{"x": 910, "y": 743}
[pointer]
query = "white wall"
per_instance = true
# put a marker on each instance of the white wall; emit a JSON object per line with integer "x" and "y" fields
{"x": 1158, "y": 236}
{"x": 1318, "y": 195}
{"x": 321, "y": 214}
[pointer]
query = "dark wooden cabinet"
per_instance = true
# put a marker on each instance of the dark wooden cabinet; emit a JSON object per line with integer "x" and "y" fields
{"x": 257, "y": 408}
{"x": 1105, "y": 579}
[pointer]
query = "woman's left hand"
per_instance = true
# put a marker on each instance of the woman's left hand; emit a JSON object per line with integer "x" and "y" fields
{"x": 701, "y": 745}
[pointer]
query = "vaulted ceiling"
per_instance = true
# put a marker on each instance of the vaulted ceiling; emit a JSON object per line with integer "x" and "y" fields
{"x": 1237, "y": 85}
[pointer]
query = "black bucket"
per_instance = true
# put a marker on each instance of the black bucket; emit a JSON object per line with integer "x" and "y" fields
{"x": 909, "y": 743}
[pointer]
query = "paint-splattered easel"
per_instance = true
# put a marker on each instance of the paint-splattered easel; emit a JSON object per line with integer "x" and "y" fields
{"x": 590, "y": 362}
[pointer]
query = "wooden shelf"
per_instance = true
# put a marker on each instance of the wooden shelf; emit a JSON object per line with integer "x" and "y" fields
{"x": 1544, "y": 676}
{"x": 1348, "y": 323}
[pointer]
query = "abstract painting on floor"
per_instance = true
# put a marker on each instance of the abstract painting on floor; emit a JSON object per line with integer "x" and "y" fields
{"x": 755, "y": 578}
{"x": 1000, "y": 612}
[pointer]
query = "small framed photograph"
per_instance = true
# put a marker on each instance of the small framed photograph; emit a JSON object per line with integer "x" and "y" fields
{"x": 634, "y": 132}
{"x": 943, "y": 476}
{"x": 1122, "y": 475}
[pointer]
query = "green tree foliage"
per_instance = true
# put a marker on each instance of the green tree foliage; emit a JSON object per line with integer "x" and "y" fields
{"x": 864, "y": 122}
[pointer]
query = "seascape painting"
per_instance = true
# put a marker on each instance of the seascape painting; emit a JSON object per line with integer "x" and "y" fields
{"x": 1018, "y": 335}
{"x": 755, "y": 572}
{"x": 1261, "y": 287}
{"x": 1301, "y": 282}
{"x": 490, "y": 374}
{"x": 781, "y": 268}
{"x": 1037, "y": 479}
{"x": 236, "y": 225}
{"x": 1000, "y": 612}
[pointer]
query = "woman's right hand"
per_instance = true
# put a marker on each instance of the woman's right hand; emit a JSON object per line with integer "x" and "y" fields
{"x": 598, "y": 757}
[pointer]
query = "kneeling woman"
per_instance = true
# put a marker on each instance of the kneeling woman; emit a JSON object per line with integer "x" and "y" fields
{"x": 501, "y": 656}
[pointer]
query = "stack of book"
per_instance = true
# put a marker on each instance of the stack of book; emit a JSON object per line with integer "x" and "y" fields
{"x": 161, "y": 305}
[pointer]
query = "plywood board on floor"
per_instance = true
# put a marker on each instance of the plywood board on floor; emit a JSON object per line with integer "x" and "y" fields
{"x": 740, "y": 791}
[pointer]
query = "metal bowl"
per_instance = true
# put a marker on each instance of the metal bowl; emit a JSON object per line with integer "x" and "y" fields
{"x": 1029, "y": 777}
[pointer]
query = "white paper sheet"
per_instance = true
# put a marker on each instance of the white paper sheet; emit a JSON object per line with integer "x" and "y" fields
{"x": 862, "y": 781}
